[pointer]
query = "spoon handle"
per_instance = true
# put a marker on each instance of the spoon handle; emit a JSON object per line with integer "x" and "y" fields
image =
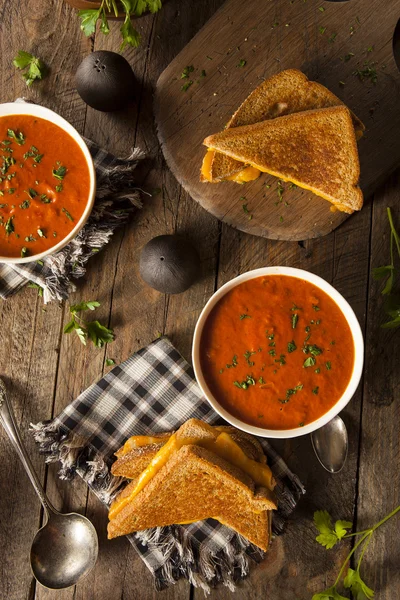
{"x": 7, "y": 419}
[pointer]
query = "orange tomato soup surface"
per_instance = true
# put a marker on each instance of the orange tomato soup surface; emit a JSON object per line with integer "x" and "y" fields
{"x": 277, "y": 352}
{"x": 44, "y": 185}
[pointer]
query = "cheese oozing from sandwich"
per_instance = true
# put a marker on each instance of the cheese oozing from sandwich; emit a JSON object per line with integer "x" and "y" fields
{"x": 249, "y": 173}
{"x": 223, "y": 446}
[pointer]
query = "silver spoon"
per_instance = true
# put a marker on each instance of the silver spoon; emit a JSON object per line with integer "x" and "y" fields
{"x": 330, "y": 444}
{"x": 66, "y": 547}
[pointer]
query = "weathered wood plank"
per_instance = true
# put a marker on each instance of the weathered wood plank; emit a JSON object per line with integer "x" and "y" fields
{"x": 379, "y": 471}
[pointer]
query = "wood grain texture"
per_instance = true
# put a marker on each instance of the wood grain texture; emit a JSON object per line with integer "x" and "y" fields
{"x": 46, "y": 370}
{"x": 329, "y": 46}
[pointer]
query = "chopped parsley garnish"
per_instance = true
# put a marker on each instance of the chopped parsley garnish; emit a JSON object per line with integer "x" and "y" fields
{"x": 367, "y": 72}
{"x": 314, "y": 350}
{"x": 186, "y": 71}
{"x": 332, "y": 343}
{"x": 272, "y": 352}
{"x": 244, "y": 316}
{"x": 186, "y": 86}
{"x": 24, "y": 252}
{"x": 318, "y": 370}
{"x": 9, "y": 226}
{"x": 316, "y": 307}
{"x": 19, "y": 138}
{"x": 295, "y": 318}
{"x": 261, "y": 380}
{"x": 59, "y": 188}
{"x": 233, "y": 363}
{"x": 301, "y": 424}
{"x": 30, "y": 238}
{"x": 11, "y": 190}
{"x": 281, "y": 360}
{"x": 45, "y": 199}
{"x": 245, "y": 384}
{"x": 322, "y": 30}
{"x": 31, "y": 193}
{"x": 67, "y": 214}
{"x": 247, "y": 355}
{"x": 291, "y": 346}
{"x": 315, "y": 390}
{"x": 60, "y": 172}
{"x": 292, "y": 391}
{"x": 26, "y": 204}
{"x": 242, "y": 62}
{"x": 40, "y": 233}
{"x": 33, "y": 152}
{"x": 245, "y": 209}
{"x": 328, "y": 365}
{"x": 309, "y": 362}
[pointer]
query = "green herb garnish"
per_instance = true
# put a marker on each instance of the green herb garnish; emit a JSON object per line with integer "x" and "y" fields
{"x": 186, "y": 86}
{"x": 9, "y": 226}
{"x": 67, "y": 214}
{"x": 93, "y": 330}
{"x": 59, "y": 188}
{"x": 295, "y": 318}
{"x": 244, "y": 316}
{"x": 309, "y": 362}
{"x": 247, "y": 355}
{"x": 41, "y": 233}
{"x": 328, "y": 365}
{"x": 25, "y": 204}
{"x": 315, "y": 390}
{"x": 19, "y": 138}
{"x": 110, "y": 362}
{"x": 234, "y": 362}
{"x": 24, "y": 252}
{"x": 242, "y": 62}
{"x": 59, "y": 172}
{"x": 291, "y": 346}
{"x": 367, "y": 72}
{"x": 34, "y": 68}
{"x": 389, "y": 272}
{"x": 316, "y": 307}
{"x": 186, "y": 72}
{"x": 329, "y": 536}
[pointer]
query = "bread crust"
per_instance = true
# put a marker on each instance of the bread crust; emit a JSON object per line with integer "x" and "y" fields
{"x": 284, "y": 93}
{"x": 315, "y": 149}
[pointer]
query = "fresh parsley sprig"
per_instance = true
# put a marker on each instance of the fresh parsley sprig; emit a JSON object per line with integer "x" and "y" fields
{"x": 93, "y": 330}
{"x": 392, "y": 298}
{"x": 34, "y": 67}
{"x": 132, "y": 8}
{"x": 329, "y": 536}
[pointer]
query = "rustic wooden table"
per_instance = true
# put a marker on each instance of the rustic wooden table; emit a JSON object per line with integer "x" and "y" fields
{"x": 46, "y": 370}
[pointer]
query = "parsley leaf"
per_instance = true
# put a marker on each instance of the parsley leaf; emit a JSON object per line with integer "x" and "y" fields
{"x": 327, "y": 535}
{"x": 88, "y": 20}
{"x": 99, "y": 334}
{"x": 60, "y": 172}
{"x": 90, "y": 305}
{"x": 130, "y": 36}
{"x": 291, "y": 346}
{"x": 36, "y": 69}
{"x": 329, "y": 594}
{"x": 94, "y": 331}
{"x": 358, "y": 587}
{"x": 110, "y": 362}
{"x": 392, "y": 299}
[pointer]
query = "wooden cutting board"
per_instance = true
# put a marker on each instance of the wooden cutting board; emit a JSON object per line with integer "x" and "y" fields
{"x": 329, "y": 42}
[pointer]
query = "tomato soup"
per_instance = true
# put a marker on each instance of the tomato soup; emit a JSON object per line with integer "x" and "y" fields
{"x": 44, "y": 185}
{"x": 277, "y": 352}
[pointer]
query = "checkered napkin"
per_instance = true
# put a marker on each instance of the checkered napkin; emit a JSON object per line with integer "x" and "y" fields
{"x": 155, "y": 391}
{"x": 116, "y": 198}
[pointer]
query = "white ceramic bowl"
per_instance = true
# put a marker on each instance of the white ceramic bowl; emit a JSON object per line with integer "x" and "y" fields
{"x": 350, "y": 318}
{"x": 25, "y": 108}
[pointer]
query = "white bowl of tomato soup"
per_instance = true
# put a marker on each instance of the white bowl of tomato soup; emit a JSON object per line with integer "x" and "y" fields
{"x": 47, "y": 182}
{"x": 278, "y": 352}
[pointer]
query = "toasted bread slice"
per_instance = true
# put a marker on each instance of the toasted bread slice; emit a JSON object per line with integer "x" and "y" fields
{"x": 134, "y": 461}
{"x": 193, "y": 485}
{"x": 287, "y": 92}
{"x": 315, "y": 149}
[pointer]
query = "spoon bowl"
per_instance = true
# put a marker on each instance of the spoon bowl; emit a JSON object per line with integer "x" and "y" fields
{"x": 65, "y": 549}
{"x": 330, "y": 444}
{"x": 74, "y": 548}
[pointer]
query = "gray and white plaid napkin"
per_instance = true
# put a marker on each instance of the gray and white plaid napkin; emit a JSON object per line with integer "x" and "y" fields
{"x": 116, "y": 198}
{"x": 155, "y": 391}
